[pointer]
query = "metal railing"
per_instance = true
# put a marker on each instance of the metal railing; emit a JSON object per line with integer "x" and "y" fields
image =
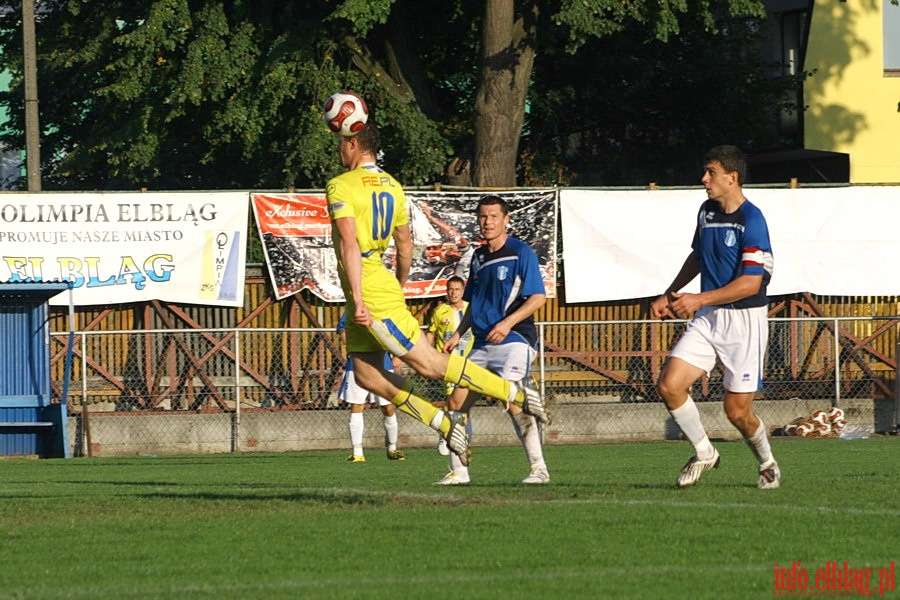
{"x": 132, "y": 378}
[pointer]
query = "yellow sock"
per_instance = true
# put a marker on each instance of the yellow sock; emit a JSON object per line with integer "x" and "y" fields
{"x": 463, "y": 373}
{"x": 421, "y": 409}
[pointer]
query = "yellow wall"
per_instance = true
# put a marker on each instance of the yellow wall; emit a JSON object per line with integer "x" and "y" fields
{"x": 852, "y": 106}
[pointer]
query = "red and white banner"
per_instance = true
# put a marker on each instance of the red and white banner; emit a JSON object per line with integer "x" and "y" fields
{"x": 296, "y": 234}
{"x": 128, "y": 247}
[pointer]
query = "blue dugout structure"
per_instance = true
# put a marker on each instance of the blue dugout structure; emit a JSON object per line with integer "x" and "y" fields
{"x": 30, "y": 425}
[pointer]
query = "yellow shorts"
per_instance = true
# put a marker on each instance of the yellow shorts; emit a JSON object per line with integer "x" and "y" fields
{"x": 397, "y": 333}
{"x": 394, "y": 329}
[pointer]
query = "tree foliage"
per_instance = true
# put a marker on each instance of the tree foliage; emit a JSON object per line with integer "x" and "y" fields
{"x": 226, "y": 94}
{"x": 174, "y": 94}
{"x": 655, "y": 106}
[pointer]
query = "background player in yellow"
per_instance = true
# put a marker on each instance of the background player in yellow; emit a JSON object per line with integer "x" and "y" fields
{"x": 367, "y": 207}
{"x": 442, "y": 324}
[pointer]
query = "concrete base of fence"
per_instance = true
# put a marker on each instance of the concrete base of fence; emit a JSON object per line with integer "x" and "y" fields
{"x": 585, "y": 422}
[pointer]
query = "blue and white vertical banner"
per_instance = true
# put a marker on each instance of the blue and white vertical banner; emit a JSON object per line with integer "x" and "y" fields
{"x": 186, "y": 247}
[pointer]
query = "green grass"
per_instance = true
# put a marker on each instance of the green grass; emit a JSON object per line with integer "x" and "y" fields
{"x": 308, "y": 525}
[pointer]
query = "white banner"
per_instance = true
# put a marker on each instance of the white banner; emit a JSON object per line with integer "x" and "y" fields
{"x": 830, "y": 241}
{"x": 184, "y": 247}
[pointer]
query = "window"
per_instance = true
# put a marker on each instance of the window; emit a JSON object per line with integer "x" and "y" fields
{"x": 891, "y": 21}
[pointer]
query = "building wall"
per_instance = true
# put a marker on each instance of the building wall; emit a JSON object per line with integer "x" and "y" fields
{"x": 852, "y": 105}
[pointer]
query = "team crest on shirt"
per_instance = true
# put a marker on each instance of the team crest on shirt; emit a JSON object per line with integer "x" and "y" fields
{"x": 730, "y": 239}
{"x": 502, "y": 272}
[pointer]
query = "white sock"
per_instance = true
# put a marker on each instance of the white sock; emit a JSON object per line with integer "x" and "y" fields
{"x": 688, "y": 418}
{"x": 759, "y": 444}
{"x": 530, "y": 436}
{"x": 437, "y": 420}
{"x": 390, "y": 432}
{"x": 357, "y": 426}
{"x": 457, "y": 467}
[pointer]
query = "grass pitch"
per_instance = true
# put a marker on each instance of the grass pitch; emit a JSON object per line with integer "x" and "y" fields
{"x": 308, "y": 525}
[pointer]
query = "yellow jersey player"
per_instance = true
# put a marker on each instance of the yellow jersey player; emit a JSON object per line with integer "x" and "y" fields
{"x": 446, "y": 317}
{"x": 367, "y": 207}
{"x": 442, "y": 324}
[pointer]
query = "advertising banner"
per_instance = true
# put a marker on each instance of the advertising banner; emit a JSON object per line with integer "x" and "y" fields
{"x": 296, "y": 234}
{"x": 187, "y": 247}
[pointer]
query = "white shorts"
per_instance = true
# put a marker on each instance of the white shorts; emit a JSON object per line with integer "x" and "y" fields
{"x": 352, "y": 393}
{"x": 511, "y": 361}
{"x": 737, "y": 337}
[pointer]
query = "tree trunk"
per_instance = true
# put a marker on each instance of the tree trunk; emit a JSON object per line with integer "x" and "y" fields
{"x": 508, "y": 54}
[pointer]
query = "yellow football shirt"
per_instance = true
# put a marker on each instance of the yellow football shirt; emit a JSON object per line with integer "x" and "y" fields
{"x": 377, "y": 203}
{"x": 444, "y": 321}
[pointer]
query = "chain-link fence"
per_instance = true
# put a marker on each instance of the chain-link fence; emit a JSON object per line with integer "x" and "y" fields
{"x": 227, "y": 390}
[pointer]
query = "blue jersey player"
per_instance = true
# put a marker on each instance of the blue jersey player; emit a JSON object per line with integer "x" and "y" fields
{"x": 504, "y": 290}
{"x": 733, "y": 256}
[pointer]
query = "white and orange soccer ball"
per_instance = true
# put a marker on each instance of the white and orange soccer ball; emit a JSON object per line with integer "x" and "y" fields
{"x": 345, "y": 113}
{"x": 819, "y": 416}
{"x": 805, "y": 429}
{"x": 837, "y": 420}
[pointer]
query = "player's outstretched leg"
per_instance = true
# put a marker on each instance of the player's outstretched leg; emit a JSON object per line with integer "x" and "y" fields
{"x": 464, "y": 373}
{"x": 458, "y": 438}
{"x": 452, "y": 429}
{"x": 533, "y": 403}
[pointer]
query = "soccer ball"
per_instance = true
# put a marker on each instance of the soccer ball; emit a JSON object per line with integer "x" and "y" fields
{"x": 805, "y": 429}
{"x": 345, "y": 113}
{"x": 836, "y": 416}
{"x": 819, "y": 416}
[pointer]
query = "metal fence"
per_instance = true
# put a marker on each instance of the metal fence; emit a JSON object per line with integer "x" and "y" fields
{"x": 226, "y": 390}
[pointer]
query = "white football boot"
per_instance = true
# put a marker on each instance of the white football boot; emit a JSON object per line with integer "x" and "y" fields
{"x": 695, "y": 468}
{"x": 769, "y": 476}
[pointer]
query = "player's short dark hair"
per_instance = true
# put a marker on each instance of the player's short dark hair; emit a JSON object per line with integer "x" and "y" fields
{"x": 493, "y": 199}
{"x": 456, "y": 279}
{"x": 369, "y": 137}
{"x": 731, "y": 158}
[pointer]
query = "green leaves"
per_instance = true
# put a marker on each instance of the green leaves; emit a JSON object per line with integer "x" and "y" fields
{"x": 363, "y": 14}
{"x": 215, "y": 94}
